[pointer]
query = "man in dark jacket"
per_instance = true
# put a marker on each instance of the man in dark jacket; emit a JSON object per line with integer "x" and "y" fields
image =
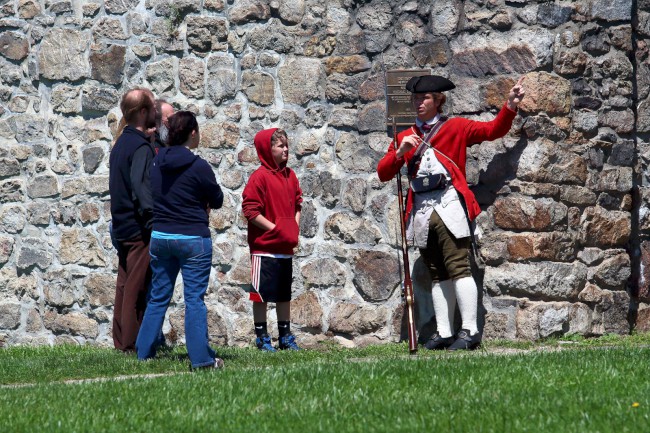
{"x": 131, "y": 211}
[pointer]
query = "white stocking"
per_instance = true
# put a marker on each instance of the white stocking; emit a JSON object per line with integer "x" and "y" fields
{"x": 444, "y": 305}
{"x": 467, "y": 295}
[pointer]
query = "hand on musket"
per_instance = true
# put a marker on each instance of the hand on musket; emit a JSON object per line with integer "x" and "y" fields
{"x": 407, "y": 144}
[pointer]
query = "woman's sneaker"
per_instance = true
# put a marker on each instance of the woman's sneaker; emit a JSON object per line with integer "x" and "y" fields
{"x": 288, "y": 342}
{"x": 264, "y": 343}
{"x": 218, "y": 364}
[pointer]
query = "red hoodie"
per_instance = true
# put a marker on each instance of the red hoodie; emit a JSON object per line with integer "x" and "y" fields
{"x": 275, "y": 193}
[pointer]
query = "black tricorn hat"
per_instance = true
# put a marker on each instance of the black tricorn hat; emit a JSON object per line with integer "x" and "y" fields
{"x": 429, "y": 83}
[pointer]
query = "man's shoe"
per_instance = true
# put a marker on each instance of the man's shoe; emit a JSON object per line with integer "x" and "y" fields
{"x": 464, "y": 341}
{"x": 436, "y": 342}
{"x": 264, "y": 343}
{"x": 288, "y": 342}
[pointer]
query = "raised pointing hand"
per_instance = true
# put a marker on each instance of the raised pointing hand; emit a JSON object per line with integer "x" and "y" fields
{"x": 516, "y": 94}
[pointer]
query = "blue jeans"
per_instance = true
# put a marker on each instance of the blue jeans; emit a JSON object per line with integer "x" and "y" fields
{"x": 193, "y": 258}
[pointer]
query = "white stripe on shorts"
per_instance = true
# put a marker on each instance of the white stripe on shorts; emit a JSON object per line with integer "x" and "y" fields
{"x": 256, "y": 267}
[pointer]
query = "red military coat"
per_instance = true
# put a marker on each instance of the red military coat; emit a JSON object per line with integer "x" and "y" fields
{"x": 453, "y": 138}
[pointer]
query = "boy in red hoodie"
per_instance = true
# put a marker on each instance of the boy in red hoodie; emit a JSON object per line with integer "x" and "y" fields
{"x": 271, "y": 203}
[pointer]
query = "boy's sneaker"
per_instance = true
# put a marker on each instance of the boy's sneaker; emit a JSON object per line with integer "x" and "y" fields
{"x": 264, "y": 343}
{"x": 288, "y": 342}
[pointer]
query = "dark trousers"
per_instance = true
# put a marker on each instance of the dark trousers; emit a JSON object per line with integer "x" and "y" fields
{"x": 446, "y": 257}
{"x": 133, "y": 279}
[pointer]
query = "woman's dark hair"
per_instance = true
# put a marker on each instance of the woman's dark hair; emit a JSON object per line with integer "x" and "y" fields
{"x": 181, "y": 125}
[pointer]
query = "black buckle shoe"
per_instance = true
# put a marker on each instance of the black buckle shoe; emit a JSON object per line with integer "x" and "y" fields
{"x": 436, "y": 342}
{"x": 464, "y": 341}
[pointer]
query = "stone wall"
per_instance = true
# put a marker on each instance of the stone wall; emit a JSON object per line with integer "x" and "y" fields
{"x": 566, "y": 242}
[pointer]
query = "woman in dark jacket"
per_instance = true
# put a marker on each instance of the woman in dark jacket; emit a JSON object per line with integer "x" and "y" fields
{"x": 184, "y": 189}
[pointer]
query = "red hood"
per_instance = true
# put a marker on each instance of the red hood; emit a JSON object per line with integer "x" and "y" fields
{"x": 263, "y": 147}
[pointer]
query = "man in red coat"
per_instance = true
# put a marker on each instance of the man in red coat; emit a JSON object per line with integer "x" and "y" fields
{"x": 440, "y": 206}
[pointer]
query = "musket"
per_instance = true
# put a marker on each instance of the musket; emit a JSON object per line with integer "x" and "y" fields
{"x": 407, "y": 284}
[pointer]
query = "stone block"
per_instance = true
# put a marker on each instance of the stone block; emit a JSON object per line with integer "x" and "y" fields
{"x": 642, "y": 323}
{"x": 6, "y": 248}
{"x": 58, "y": 288}
{"x": 206, "y": 34}
{"x": 33, "y": 252}
{"x": 546, "y": 93}
{"x": 353, "y": 319}
{"x": 306, "y": 311}
{"x": 342, "y": 88}
{"x": 217, "y": 328}
{"x": 476, "y": 55}
{"x": 309, "y": 222}
{"x": 245, "y": 11}
{"x": 74, "y": 323}
{"x": 351, "y": 229}
{"x": 323, "y": 273}
{"x": 302, "y": 80}
{"x": 81, "y": 246}
{"x": 11, "y": 191}
{"x": 161, "y": 75}
{"x": 119, "y": 7}
{"x": 444, "y": 18}
{"x": 410, "y": 30}
{"x": 107, "y": 63}
{"x": 220, "y": 135}
{"x": 62, "y": 55}
{"x": 520, "y": 213}
{"x": 540, "y": 280}
{"x": 613, "y": 272}
{"x": 191, "y": 73}
{"x": 291, "y": 11}
{"x": 259, "y": 87}
{"x": 346, "y": 64}
{"x": 43, "y": 186}
{"x": 9, "y": 315}
{"x": 372, "y": 117}
{"x": 376, "y": 274}
{"x": 221, "y": 85}
{"x": 109, "y": 28}
{"x": 553, "y": 15}
{"x": 542, "y": 246}
{"x": 611, "y": 10}
{"x": 375, "y": 16}
{"x": 9, "y": 167}
{"x": 92, "y": 157}
{"x": 100, "y": 289}
{"x": 28, "y": 9}
{"x": 621, "y": 121}
{"x": 613, "y": 310}
{"x": 603, "y": 228}
{"x": 13, "y": 45}
{"x": 354, "y": 194}
{"x": 99, "y": 98}
{"x": 66, "y": 98}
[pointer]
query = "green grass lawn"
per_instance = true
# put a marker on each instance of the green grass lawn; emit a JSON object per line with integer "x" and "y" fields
{"x": 599, "y": 385}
